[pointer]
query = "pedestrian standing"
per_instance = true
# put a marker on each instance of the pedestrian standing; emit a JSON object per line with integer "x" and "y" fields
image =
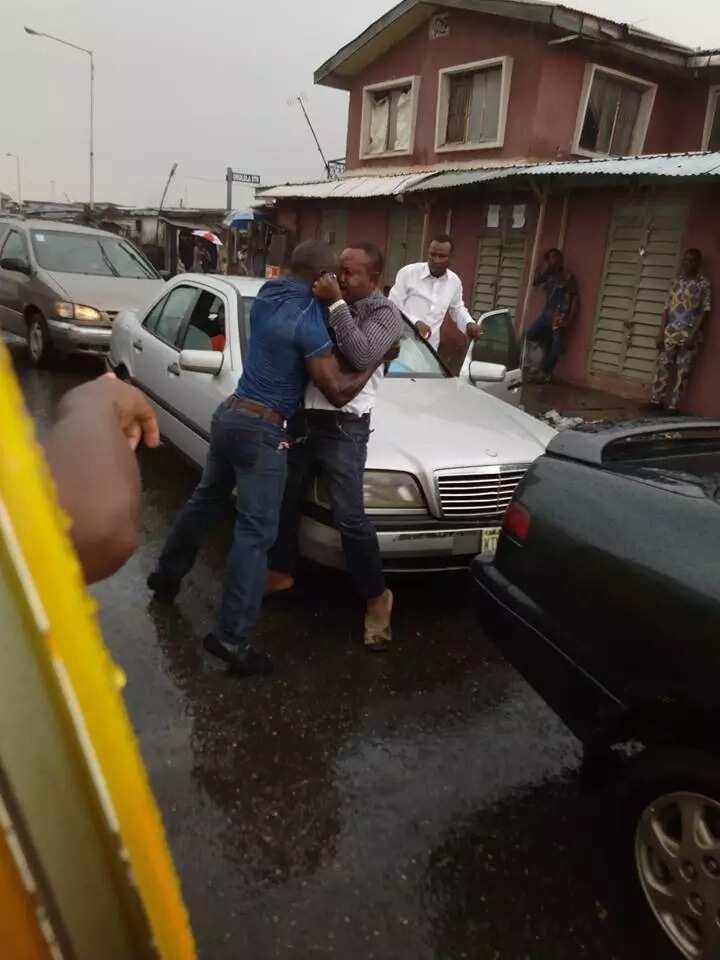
{"x": 366, "y": 325}
{"x": 687, "y": 309}
{"x": 562, "y": 303}
{"x": 426, "y": 292}
{"x": 248, "y": 449}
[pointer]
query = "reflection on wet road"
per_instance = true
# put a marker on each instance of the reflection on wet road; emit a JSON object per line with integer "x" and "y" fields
{"x": 419, "y": 805}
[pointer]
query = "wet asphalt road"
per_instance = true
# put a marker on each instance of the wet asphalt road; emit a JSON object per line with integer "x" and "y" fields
{"x": 423, "y": 805}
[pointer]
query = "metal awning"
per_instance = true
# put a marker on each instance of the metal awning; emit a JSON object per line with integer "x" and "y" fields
{"x": 660, "y": 166}
{"x": 346, "y": 188}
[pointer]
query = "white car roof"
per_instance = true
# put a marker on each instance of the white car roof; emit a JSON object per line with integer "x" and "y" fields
{"x": 246, "y": 286}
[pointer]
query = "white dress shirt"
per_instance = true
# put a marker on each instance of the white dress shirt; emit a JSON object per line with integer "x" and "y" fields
{"x": 423, "y": 297}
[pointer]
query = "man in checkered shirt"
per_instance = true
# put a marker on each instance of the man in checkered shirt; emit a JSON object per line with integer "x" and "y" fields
{"x": 365, "y": 326}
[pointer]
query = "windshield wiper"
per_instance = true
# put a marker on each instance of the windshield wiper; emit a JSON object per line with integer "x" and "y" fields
{"x": 108, "y": 261}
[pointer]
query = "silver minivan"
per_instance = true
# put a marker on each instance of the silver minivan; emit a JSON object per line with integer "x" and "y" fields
{"x": 61, "y": 285}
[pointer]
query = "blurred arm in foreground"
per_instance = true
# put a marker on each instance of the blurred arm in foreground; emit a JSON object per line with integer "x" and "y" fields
{"x": 91, "y": 454}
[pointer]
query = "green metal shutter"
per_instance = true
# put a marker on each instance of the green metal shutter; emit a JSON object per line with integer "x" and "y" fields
{"x": 404, "y": 240}
{"x": 499, "y": 274}
{"x": 641, "y": 262}
{"x": 334, "y": 228}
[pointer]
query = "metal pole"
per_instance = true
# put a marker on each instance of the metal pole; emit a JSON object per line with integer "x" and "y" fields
{"x": 75, "y": 46}
{"x": 317, "y": 142}
{"x": 228, "y": 185}
{"x": 173, "y": 168}
{"x": 92, "y": 131}
{"x": 19, "y": 184}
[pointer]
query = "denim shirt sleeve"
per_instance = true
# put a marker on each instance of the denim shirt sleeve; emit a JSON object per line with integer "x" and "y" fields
{"x": 311, "y": 334}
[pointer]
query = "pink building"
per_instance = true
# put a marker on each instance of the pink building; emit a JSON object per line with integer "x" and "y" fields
{"x": 502, "y": 122}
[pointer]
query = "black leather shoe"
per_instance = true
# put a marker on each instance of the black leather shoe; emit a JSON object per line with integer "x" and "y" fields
{"x": 165, "y": 588}
{"x": 249, "y": 664}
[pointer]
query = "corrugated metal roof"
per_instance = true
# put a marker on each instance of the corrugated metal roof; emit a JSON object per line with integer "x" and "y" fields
{"x": 664, "y": 165}
{"x": 353, "y": 188}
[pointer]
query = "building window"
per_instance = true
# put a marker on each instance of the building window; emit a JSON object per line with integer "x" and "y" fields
{"x": 472, "y": 105}
{"x": 388, "y": 118}
{"x": 614, "y": 113}
{"x": 711, "y": 136}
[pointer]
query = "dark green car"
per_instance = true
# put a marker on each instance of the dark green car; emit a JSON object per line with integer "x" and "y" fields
{"x": 605, "y": 593}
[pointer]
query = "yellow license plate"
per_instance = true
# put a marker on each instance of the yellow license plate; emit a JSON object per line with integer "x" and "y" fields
{"x": 489, "y": 541}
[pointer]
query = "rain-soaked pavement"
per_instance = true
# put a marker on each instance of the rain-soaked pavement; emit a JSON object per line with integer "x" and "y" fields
{"x": 419, "y": 805}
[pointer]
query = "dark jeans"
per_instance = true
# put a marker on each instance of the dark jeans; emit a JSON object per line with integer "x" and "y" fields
{"x": 336, "y": 447}
{"x": 552, "y": 341}
{"x": 248, "y": 454}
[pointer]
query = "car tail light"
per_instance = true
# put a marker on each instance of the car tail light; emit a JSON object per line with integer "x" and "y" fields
{"x": 517, "y": 522}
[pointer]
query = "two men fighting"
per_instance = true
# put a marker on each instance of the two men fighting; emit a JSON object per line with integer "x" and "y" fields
{"x": 290, "y": 346}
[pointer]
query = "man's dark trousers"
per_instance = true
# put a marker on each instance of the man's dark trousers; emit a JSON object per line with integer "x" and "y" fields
{"x": 335, "y": 446}
{"x": 247, "y": 454}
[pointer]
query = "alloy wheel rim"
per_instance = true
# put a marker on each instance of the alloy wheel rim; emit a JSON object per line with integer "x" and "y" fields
{"x": 677, "y": 855}
{"x": 37, "y": 341}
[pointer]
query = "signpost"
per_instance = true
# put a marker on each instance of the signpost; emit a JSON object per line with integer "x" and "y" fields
{"x": 232, "y": 176}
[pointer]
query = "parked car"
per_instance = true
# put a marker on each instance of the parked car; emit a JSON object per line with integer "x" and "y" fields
{"x": 444, "y": 458}
{"x": 605, "y": 593}
{"x": 62, "y": 285}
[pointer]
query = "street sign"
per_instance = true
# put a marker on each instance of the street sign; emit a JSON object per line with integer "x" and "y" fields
{"x": 232, "y": 177}
{"x": 245, "y": 178}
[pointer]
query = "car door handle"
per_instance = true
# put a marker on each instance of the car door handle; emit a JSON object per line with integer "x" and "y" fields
{"x": 137, "y": 345}
{"x": 174, "y": 369}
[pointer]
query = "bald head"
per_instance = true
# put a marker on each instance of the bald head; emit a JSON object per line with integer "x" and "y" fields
{"x": 312, "y": 258}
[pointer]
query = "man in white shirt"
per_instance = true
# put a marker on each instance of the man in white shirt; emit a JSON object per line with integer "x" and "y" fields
{"x": 426, "y": 292}
{"x": 365, "y": 326}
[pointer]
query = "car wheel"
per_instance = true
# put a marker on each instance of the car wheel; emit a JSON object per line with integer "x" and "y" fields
{"x": 40, "y": 347}
{"x": 667, "y": 851}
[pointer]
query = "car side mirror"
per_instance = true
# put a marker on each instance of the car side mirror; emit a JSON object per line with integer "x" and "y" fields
{"x": 201, "y": 361}
{"x": 481, "y": 372}
{"x": 17, "y": 266}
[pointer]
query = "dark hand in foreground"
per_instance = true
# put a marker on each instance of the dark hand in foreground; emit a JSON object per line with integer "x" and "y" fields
{"x": 327, "y": 289}
{"x": 423, "y": 329}
{"x": 90, "y": 454}
{"x": 133, "y": 413}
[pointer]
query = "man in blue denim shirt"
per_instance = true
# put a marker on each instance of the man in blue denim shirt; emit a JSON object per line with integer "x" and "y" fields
{"x": 289, "y": 342}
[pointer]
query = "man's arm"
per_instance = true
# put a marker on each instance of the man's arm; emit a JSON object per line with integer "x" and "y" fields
{"x": 399, "y": 294}
{"x": 704, "y": 313}
{"x": 461, "y": 315}
{"x": 90, "y": 454}
{"x": 337, "y": 385}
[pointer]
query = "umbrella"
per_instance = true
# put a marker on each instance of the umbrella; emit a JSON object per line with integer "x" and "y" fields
{"x": 209, "y": 236}
{"x": 240, "y": 218}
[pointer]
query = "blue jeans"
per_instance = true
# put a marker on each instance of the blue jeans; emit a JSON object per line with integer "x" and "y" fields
{"x": 552, "y": 341}
{"x": 335, "y": 446}
{"x": 247, "y": 454}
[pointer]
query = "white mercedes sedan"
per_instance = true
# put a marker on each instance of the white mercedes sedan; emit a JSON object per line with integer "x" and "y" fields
{"x": 444, "y": 457}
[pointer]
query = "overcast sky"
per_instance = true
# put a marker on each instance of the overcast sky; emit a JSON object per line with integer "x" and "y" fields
{"x": 205, "y": 84}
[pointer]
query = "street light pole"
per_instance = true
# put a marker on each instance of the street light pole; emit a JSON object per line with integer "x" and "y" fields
{"x": 17, "y": 170}
{"x": 66, "y": 43}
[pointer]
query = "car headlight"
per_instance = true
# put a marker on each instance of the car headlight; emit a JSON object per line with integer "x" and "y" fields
{"x": 65, "y": 310}
{"x": 390, "y": 490}
{"x": 382, "y": 490}
{"x": 79, "y": 313}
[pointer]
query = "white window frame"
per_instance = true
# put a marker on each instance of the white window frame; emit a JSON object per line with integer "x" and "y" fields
{"x": 643, "y": 121}
{"x": 713, "y": 108}
{"x": 368, "y": 95}
{"x": 443, "y": 101}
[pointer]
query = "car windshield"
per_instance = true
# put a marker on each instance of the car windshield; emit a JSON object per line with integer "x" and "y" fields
{"x": 417, "y": 360}
{"x": 97, "y": 256}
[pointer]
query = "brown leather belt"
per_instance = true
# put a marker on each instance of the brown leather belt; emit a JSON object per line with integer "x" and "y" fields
{"x": 256, "y": 409}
